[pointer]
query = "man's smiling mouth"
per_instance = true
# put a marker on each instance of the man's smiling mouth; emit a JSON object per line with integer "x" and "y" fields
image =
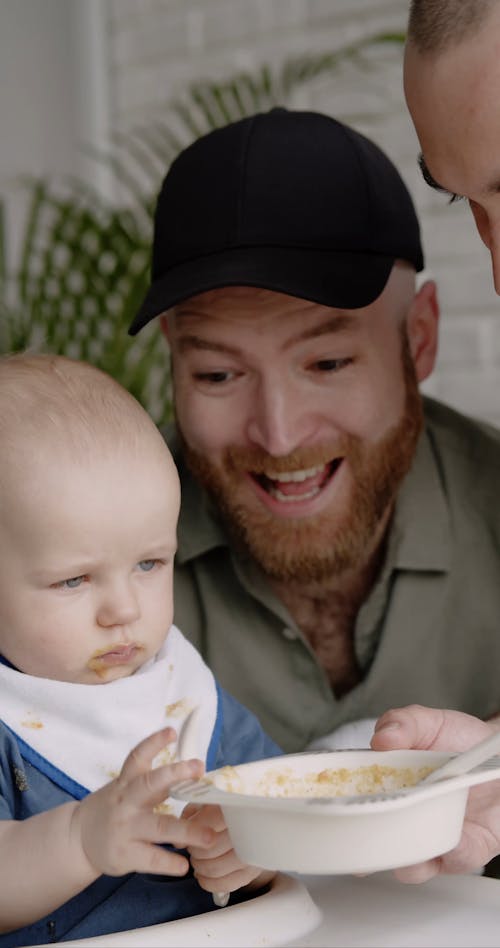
{"x": 299, "y": 485}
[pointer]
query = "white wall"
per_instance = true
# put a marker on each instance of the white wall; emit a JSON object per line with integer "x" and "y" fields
{"x": 51, "y": 108}
{"x": 130, "y": 57}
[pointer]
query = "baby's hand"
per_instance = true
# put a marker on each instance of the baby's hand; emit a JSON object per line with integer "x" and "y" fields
{"x": 118, "y": 827}
{"x": 216, "y": 866}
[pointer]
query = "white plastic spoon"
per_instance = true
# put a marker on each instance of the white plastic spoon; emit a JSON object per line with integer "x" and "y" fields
{"x": 462, "y": 763}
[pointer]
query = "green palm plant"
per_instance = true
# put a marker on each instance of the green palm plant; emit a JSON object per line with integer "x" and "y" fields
{"x": 84, "y": 263}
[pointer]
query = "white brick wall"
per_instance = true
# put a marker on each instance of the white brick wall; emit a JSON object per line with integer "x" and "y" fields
{"x": 156, "y": 47}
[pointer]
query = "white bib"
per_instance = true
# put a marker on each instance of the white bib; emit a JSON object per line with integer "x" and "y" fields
{"x": 79, "y": 735}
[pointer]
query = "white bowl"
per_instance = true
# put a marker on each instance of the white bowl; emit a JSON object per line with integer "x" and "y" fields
{"x": 282, "y": 813}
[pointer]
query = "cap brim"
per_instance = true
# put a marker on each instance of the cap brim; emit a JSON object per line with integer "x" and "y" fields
{"x": 332, "y": 278}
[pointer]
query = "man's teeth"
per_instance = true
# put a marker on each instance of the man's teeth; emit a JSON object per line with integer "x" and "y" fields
{"x": 297, "y": 476}
{"x": 293, "y": 477}
{"x": 291, "y": 498}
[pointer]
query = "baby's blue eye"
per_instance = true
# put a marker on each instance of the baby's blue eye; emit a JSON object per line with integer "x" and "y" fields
{"x": 72, "y": 583}
{"x": 147, "y": 565}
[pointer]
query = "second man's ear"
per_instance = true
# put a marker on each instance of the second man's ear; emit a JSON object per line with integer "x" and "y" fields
{"x": 422, "y": 327}
{"x": 164, "y": 326}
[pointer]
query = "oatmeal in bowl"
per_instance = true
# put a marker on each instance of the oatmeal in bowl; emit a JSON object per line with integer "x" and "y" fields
{"x": 338, "y": 811}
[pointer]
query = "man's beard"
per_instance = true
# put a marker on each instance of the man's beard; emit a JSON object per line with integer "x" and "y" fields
{"x": 326, "y": 545}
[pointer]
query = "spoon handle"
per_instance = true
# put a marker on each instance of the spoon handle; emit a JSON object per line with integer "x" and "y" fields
{"x": 462, "y": 763}
{"x": 221, "y": 898}
{"x": 187, "y": 747}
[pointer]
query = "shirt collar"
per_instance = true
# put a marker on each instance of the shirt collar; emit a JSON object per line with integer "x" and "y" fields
{"x": 422, "y": 525}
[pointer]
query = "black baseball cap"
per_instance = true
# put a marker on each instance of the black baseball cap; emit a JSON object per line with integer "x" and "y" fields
{"x": 291, "y": 201}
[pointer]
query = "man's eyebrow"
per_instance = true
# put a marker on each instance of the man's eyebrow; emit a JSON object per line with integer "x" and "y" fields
{"x": 190, "y": 340}
{"x": 333, "y": 324}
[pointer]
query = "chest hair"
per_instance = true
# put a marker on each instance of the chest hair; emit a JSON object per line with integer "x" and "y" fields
{"x": 326, "y": 614}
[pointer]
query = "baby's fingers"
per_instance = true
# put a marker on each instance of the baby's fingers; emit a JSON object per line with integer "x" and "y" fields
{"x": 147, "y": 858}
{"x": 142, "y": 786}
{"x": 224, "y": 873}
{"x": 153, "y": 787}
{"x": 163, "y": 828}
{"x": 209, "y": 815}
{"x": 220, "y": 845}
{"x": 141, "y": 757}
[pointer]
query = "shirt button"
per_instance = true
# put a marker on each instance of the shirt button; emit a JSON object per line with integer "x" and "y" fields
{"x": 289, "y": 633}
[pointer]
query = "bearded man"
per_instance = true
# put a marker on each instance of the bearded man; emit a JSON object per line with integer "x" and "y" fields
{"x": 339, "y": 533}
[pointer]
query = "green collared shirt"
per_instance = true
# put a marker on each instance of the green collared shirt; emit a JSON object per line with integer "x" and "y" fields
{"x": 429, "y": 631}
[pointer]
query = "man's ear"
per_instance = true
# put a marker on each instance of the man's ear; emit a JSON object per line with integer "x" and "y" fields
{"x": 164, "y": 326}
{"x": 422, "y": 328}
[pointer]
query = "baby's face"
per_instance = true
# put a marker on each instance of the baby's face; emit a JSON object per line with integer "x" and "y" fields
{"x": 86, "y": 566}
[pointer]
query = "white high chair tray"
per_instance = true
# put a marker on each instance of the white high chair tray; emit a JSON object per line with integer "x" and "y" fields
{"x": 377, "y": 911}
{"x": 337, "y": 912}
{"x": 273, "y": 919}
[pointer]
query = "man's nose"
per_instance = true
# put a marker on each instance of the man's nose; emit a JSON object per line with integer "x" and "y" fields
{"x": 489, "y": 230}
{"x": 118, "y": 605}
{"x": 279, "y": 420}
{"x": 492, "y": 241}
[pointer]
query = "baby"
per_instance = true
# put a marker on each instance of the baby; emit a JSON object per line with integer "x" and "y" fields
{"x": 98, "y": 690}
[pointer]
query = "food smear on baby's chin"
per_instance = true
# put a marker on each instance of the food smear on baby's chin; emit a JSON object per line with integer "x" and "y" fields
{"x": 111, "y": 656}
